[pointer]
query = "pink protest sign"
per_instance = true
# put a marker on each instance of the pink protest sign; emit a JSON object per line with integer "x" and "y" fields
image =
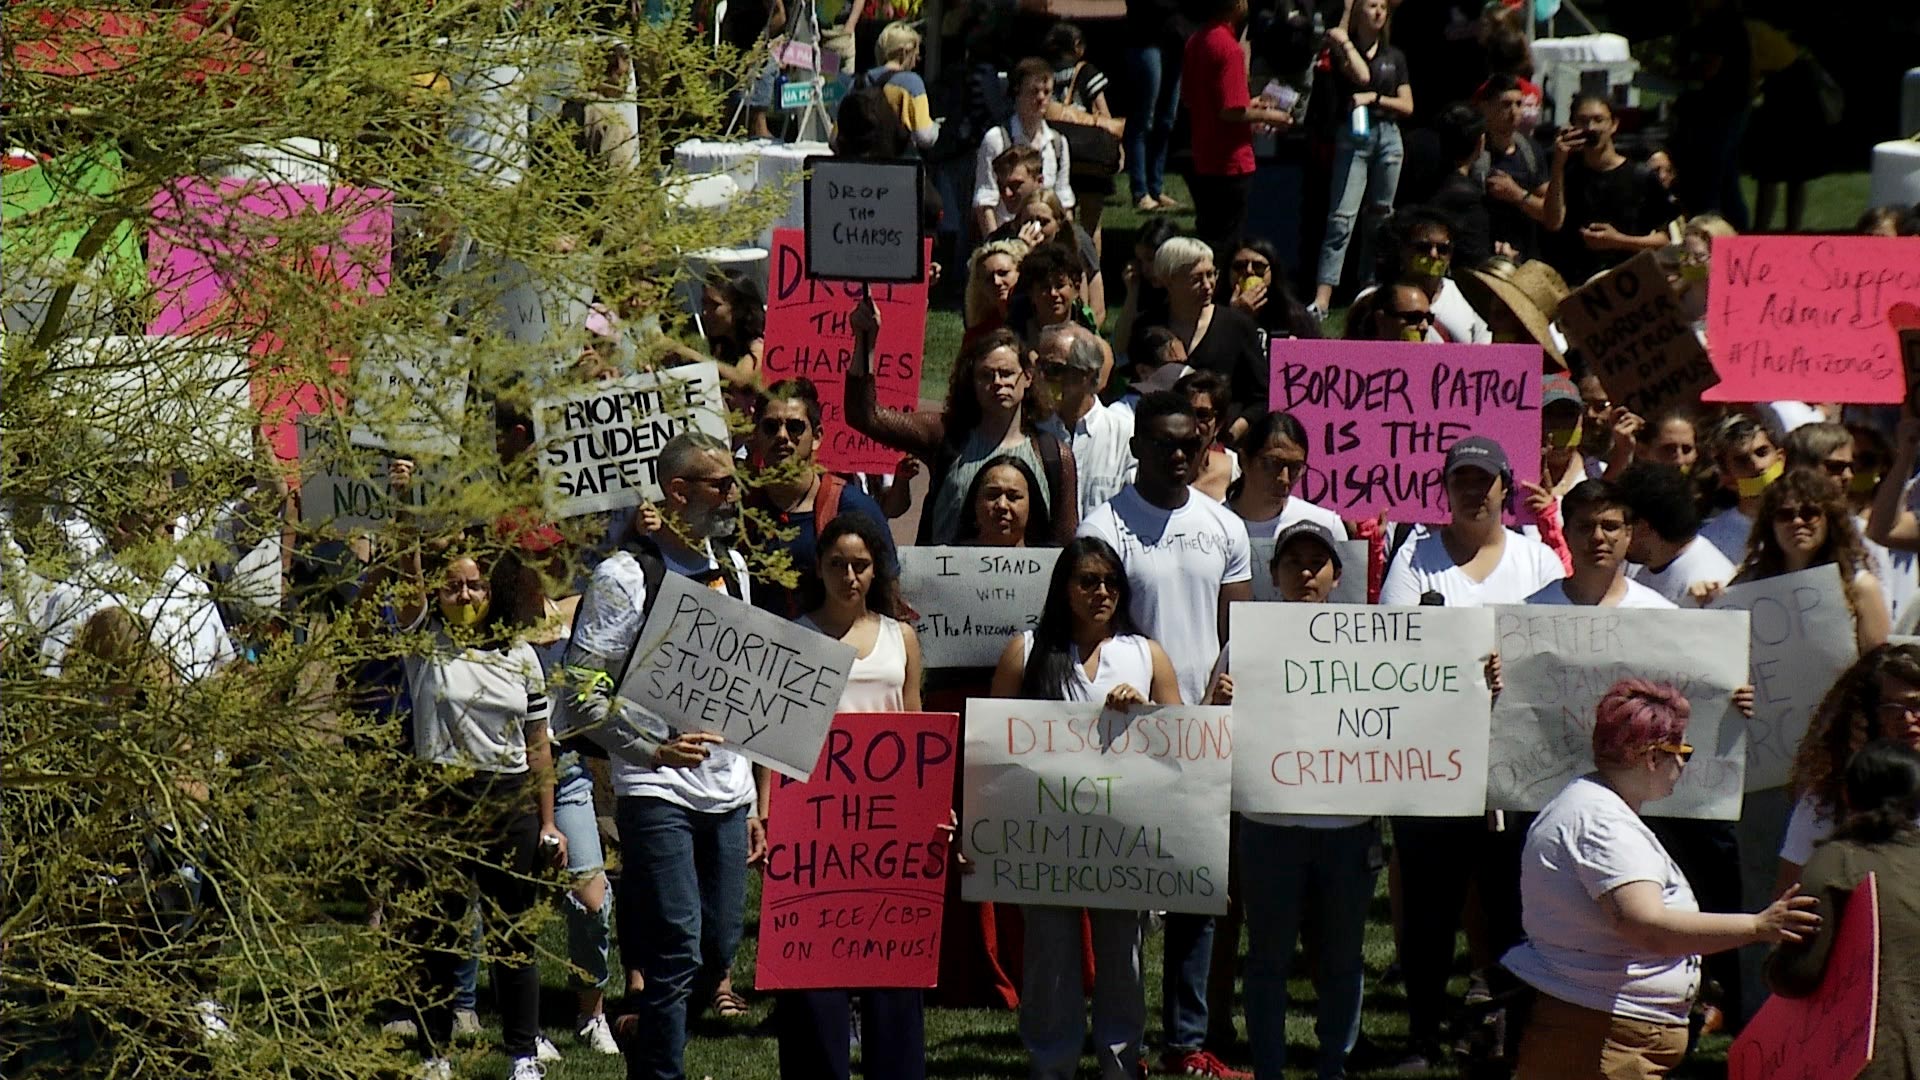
{"x": 1804, "y": 318}
{"x": 856, "y": 870}
{"x": 220, "y": 252}
{"x": 808, "y": 335}
{"x": 1828, "y": 1036}
{"x": 1382, "y": 414}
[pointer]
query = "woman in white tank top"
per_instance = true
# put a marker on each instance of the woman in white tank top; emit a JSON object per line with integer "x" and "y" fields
{"x": 1085, "y": 649}
{"x": 856, "y": 592}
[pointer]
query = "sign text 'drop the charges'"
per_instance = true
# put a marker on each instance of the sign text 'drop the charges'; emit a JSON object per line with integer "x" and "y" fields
{"x": 863, "y": 220}
{"x": 1382, "y": 414}
{"x": 598, "y": 446}
{"x": 1346, "y": 709}
{"x": 708, "y": 662}
{"x": 1073, "y": 806}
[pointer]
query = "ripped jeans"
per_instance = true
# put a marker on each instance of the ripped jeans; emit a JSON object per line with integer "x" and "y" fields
{"x": 1366, "y": 173}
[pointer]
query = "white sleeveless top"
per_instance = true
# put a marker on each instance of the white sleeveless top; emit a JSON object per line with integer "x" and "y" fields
{"x": 878, "y": 681}
{"x": 1124, "y": 658}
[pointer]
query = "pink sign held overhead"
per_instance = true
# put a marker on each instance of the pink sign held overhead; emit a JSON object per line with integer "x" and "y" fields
{"x": 1805, "y": 318}
{"x": 221, "y": 252}
{"x": 1381, "y": 416}
{"x": 808, "y": 336}
{"x": 855, "y": 878}
{"x": 1828, "y": 1036}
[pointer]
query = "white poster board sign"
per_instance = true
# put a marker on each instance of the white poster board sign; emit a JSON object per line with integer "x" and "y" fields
{"x": 708, "y": 662}
{"x": 1344, "y": 709}
{"x": 598, "y": 445}
{"x": 972, "y": 599}
{"x": 411, "y": 401}
{"x": 1558, "y": 662}
{"x": 1802, "y": 640}
{"x": 1351, "y": 589}
{"x": 863, "y": 220}
{"x": 1072, "y": 806}
{"x": 346, "y": 487}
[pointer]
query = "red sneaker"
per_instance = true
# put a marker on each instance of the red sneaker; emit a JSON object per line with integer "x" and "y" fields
{"x": 1199, "y": 1063}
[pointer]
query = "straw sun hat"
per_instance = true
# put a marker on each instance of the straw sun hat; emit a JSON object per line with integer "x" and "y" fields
{"x": 1532, "y": 291}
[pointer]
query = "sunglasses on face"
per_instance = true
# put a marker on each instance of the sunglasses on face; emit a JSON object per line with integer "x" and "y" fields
{"x": 1899, "y": 710}
{"x": 1680, "y": 750}
{"x": 1251, "y": 266}
{"x": 1788, "y": 515}
{"x": 1413, "y": 318}
{"x": 794, "y": 427}
{"x": 1190, "y": 447}
{"x": 1096, "y": 582}
{"x": 1204, "y": 415}
{"x": 724, "y": 485}
{"x": 1837, "y": 468}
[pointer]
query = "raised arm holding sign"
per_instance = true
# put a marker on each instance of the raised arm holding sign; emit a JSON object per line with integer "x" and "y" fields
{"x": 863, "y": 220}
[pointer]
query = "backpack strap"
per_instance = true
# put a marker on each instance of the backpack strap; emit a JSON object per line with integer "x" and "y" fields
{"x": 826, "y": 502}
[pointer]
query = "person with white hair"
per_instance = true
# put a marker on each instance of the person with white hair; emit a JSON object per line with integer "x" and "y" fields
{"x": 1217, "y": 337}
{"x": 1072, "y": 363}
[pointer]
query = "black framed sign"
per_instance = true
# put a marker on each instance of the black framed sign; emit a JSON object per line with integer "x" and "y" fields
{"x": 863, "y": 220}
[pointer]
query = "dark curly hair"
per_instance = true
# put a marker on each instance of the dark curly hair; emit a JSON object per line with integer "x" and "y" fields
{"x": 1848, "y": 718}
{"x": 1806, "y": 487}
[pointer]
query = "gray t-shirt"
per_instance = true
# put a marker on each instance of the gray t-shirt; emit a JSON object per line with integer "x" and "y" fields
{"x": 952, "y": 496}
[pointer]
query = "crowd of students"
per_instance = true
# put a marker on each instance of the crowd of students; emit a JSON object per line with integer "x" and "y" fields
{"x": 1148, "y": 456}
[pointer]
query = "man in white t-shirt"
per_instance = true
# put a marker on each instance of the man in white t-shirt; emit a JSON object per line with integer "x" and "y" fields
{"x": 1599, "y": 529}
{"x": 1667, "y": 553}
{"x": 1750, "y": 461}
{"x": 1101, "y": 436}
{"x": 1187, "y": 560}
{"x": 687, "y": 812}
{"x": 1495, "y": 565}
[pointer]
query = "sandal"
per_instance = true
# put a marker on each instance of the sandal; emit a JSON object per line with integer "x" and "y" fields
{"x": 728, "y": 1005}
{"x": 1167, "y": 202}
{"x": 1146, "y": 204}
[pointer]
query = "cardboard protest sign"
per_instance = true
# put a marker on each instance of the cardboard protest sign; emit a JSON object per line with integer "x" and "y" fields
{"x": 221, "y": 253}
{"x": 1073, "y": 806}
{"x": 971, "y": 600}
{"x": 708, "y": 662}
{"x": 1629, "y": 326}
{"x": 47, "y": 211}
{"x": 863, "y": 220}
{"x": 857, "y": 857}
{"x": 1350, "y": 589}
{"x": 189, "y": 398}
{"x": 1360, "y": 710}
{"x": 1558, "y": 662}
{"x": 1828, "y": 1036}
{"x": 410, "y": 397}
{"x": 599, "y": 445}
{"x": 1805, "y": 318}
{"x": 346, "y": 486}
{"x": 1802, "y": 639}
{"x": 808, "y": 335}
{"x": 1382, "y": 415}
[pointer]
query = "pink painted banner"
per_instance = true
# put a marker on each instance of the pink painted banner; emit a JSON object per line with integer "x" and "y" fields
{"x": 808, "y": 335}
{"x": 1381, "y": 415}
{"x": 210, "y": 243}
{"x": 1828, "y": 1036}
{"x": 856, "y": 871}
{"x": 1804, "y": 318}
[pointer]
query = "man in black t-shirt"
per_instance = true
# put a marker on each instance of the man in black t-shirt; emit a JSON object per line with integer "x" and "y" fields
{"x": 1460, "y": 198}
{"x": 1615, "y": 208}
{"x": 1520, "y": 183}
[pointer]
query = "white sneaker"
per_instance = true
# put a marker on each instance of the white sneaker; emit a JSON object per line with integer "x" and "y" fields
{"x": 213, "y": 1021}
{"x": 544, "y": 1050}
{"x": 435, "y": 1068}
{"x": 527, "y": 1068}
{"x": 400, "y": 1029}
{"x": 597, "y": 1034}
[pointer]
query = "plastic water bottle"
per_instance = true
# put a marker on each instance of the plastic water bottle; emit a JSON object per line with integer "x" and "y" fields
{"x": 1361, "y": 121}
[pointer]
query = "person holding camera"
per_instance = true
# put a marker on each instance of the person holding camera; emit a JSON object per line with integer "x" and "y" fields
{"x": 1614, "y": 208}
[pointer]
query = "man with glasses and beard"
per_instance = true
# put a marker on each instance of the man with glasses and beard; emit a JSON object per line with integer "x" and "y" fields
{"x": 1187, "y": 560}
{"x": 687, "y": 813}
{"x": 794, "y": 494}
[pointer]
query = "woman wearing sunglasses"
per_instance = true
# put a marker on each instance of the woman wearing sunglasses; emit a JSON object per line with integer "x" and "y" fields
{"x": 1086, "y": 648}
{"x": 1613, "y": 930}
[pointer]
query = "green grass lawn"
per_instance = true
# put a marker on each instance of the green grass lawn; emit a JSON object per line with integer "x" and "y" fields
{"x": 965, "y": 1044}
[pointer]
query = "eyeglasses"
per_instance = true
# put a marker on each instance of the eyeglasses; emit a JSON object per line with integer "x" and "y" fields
{"x": 1190, "y": 447}
{"x": 721, "y": 484}
{"x": 1680, "y": 750}
{"x": 1837, "y": 468}
{"x": 1251, "y": 266}
{"x": 1413, "y": 318}
{"x": 1789, "y": 515}
{"x": 1060, "y": 372}
{"x": 1284, "y": 465}
{"x": 1432, "y": 247}
{"x": 1096, "y": 582}
{"x": 794, "y": 426}
{"x": 1899, "y": 710}
{"x": 1204, "y": 415}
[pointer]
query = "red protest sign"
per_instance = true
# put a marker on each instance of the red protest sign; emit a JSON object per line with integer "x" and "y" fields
{"x": 808, "y": 335}
{"x": 1828, "y": 1036}
{"x": 1804, "y": 318}
{"x": 856, "y": 870}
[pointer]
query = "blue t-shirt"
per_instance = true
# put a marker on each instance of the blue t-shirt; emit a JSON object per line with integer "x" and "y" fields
{"x": 789, "y": 603}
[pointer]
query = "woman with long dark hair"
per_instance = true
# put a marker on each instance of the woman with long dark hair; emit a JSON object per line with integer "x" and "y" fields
{"x": 855, "y": 598}
{"x": 1002, "y": 509}
{"x": 1273, "y": 462}
{"x": 1086, "y": 648}
{"x": 1256, "y": 285}
{"x": 733, "y": 315}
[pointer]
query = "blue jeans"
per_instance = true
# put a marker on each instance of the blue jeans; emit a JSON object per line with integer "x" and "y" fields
{"x": 1282, "y": 869}
{"x": 1366, "y": 172}
{"x": 1155, "y": 74}
{"x": 1186, "y": 960}
{"x": 589, "y": 933}
{"x": 683, "y": 895}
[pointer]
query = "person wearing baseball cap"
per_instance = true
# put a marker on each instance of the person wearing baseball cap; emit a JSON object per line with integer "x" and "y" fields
{"x": 1287, "y": 862}
{"x": 1472, "y": 561}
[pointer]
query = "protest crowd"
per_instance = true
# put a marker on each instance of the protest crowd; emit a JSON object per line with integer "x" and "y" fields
{"x": 1498, "y": 533}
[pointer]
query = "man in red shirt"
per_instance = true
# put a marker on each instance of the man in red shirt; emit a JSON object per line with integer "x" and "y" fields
{"x": 1214, "y": 84}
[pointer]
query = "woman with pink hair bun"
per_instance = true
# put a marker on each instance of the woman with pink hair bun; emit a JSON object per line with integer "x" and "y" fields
{"x": 1614, "y": 934}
